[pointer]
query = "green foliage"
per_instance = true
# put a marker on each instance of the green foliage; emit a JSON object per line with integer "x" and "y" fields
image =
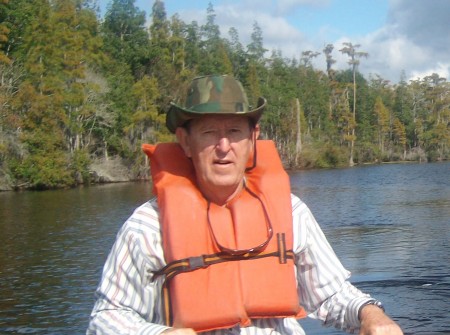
{"x": 74, "y": 88}
{"x": 43, "y": 171}
{"x": 125, "y": 37}
{"x": 4, "y": 32}
{"x": 79, "y": 166}
{"x": 323, "y": 155}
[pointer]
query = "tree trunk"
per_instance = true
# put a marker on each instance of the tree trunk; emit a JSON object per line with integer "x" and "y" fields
{"x": 352, "y": 145}
{"x": 298, "y": 143}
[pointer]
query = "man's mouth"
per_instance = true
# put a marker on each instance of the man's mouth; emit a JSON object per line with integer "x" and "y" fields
{"x": 222, "y": 162}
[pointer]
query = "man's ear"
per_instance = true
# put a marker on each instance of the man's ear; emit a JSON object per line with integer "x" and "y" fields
{"x": 252, "y": 157}
{"x": 255, "y": 134}
{"x": 183, "y": 138}
{"x": 256, "y": 131}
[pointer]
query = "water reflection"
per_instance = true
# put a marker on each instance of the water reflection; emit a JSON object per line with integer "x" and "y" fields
{"x": 389, "y": 224}
{"x": 54, "y": 246}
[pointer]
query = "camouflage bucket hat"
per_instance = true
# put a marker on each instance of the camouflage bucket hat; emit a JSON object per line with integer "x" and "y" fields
{"x": 213, "y": 95}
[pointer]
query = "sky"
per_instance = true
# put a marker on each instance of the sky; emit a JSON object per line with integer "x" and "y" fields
{"x": 410, "y": 37}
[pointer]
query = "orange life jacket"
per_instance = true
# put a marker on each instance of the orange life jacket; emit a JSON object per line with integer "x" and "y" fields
{"x": 223, "y": 267}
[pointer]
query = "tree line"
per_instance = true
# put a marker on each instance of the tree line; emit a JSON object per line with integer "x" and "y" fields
{"x": 76, "y": 87}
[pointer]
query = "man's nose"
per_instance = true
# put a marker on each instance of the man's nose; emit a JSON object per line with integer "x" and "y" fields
{"x": 223, "y": 143}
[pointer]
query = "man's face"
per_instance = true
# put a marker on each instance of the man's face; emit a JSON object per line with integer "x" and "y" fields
{"x": 219, "y": 147}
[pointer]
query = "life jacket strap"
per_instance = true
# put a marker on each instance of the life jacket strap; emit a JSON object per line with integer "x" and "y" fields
{"x": 194, "y": 263}
{"x": 203, "y": 261}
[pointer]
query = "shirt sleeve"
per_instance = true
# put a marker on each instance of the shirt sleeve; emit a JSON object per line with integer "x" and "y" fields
{"x": 127, "y": 299}
{"x": 323, "y": 283}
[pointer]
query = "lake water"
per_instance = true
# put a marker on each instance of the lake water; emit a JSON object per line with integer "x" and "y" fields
{"x": 389, "y": 224}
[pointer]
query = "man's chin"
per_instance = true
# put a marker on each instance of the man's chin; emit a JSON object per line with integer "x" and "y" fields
{"x": 225, "y": 184}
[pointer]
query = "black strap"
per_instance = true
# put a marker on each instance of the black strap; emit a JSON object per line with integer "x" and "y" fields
{"x": 203, "y": 261}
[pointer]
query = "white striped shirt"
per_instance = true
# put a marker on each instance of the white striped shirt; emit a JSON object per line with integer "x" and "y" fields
{"x": 128, "y": 302}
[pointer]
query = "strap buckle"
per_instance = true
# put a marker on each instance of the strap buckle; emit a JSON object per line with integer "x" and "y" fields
{"x": 196, "y": 262}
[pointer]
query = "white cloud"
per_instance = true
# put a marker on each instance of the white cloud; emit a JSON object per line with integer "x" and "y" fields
{"x": 442, "y": 69}
{"x": 415, "y": 39}
{"x": 426, "y": 23}
{"x": 278, "y": 34}
{"x": 390, "y": 54}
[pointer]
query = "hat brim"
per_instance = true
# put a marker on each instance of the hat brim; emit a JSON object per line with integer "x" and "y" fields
{"x": 178, "y": 116}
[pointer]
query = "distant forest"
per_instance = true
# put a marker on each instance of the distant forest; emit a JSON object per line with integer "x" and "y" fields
{"x": 76, "y": 87}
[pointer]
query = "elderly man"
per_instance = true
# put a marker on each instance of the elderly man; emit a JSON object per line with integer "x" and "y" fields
{"x": 224, "y": 247}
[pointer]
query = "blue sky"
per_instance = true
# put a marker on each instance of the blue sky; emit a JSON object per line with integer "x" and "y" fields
{"x": 410, "y": 36}
{"x": 341, "y": 17}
